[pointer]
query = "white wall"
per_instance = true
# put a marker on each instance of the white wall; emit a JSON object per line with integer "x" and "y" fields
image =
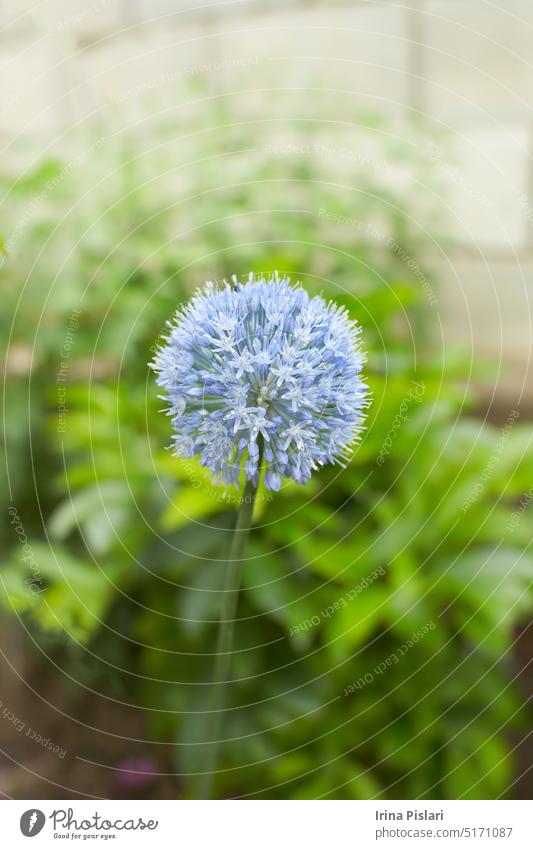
{"x": 467, "y": 65}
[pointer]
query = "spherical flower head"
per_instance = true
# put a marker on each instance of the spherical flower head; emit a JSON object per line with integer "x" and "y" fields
{"x": 260, "y": 369}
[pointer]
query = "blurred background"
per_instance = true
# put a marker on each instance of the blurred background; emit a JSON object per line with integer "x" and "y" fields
{"x": 379, "y": 152}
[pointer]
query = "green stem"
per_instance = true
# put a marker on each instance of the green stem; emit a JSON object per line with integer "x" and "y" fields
{"x": 226, "y": 629}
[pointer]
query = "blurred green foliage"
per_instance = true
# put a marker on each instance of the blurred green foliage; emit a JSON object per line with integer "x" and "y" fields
{"x": 129, "y": 542}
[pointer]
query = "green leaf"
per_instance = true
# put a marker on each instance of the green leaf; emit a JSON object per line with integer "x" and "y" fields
{"x": 289, "y": 602}
{"x": 69, "y": 594}
{"x": 477, "y": 764}
{"x": 497, "y": 581}
{"x": 99, "y": 512}
{"x": 191, "y": 505}
{"x": 347, "y": 628}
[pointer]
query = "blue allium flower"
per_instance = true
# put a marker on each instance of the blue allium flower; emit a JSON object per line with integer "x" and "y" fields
{"x": 262, "y": 365}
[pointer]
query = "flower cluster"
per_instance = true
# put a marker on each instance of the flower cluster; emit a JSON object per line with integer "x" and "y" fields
{"x": 261, "y": 369}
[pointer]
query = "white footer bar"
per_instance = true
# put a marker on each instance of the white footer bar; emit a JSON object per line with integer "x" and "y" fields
{"x": 267, "y": 824}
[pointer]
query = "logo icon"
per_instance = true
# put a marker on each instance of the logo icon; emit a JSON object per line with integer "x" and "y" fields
{"x": 32, "y": 822}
